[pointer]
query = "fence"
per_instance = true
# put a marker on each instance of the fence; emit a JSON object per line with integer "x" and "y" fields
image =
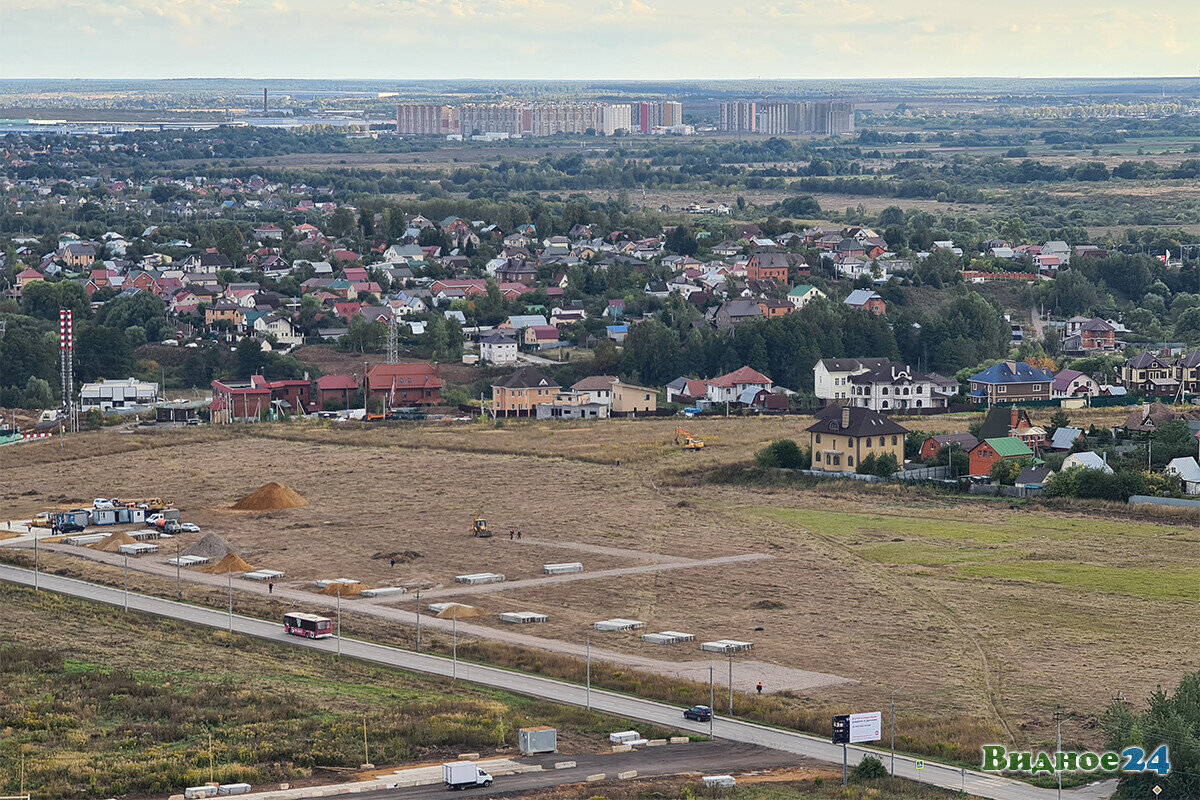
{"x": 998, "y": 490}
{"x": 923, "y": 473}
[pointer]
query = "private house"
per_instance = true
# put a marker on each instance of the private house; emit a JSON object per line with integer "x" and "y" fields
{"x": 78, "y": 254}
{"x": 1065, "y": 438}
{"x": 866, "y": 300}
{"x": 1188, "y": 471}
{"x": 520, "y": 393}
{"x": 496, "y": 348}
{"x": 842, "y": 437}
{"x": 1073, "y": 383}
{"x": 803, "y": 294}
{"x": 890, "y": 387}
{"x": 729, "y": 387}
{"x": 1148, "y": 417}
{"x": 1033, "y": 478}
{"x": 519, "y": 322}
{"x": 630, "y": 399}
{"x": 400, "y": 385}
{"x": 768, "y": 266}
{"x": 1002, "y": 422}
{"x": 1011, "y": 382}
{"x": 732, "y": 312}
{"x": 1187, "y": 372}
{"x": 983, "y": 455}
{"x": 335, "y": 389}
{"x": 686, "y": 390}
{"x": 1150, "y": 376}
{"x": 224, "y": 311}
{"x": 1096, "y": 335}
{"x": 572, "y": 405}
{"x": 934, "y": 444}
{"x": 1087, "y": 460}
{"x": 540, "y": 337}
{"x": 238, "y": 400}
{"x": 831, "y": 376}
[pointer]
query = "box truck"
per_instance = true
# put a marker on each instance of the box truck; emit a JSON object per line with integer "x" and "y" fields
{"x": 464, "y": 774}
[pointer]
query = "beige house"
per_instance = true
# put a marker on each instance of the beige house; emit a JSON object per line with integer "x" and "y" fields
{"x": 621, "y": 398}
{"x": 843, "y": 436}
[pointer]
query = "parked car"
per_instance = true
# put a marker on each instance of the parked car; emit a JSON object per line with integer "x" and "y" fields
{"x": 189, "y": 527}
{"x": 100, "y": 502}
{"x": 70, "y": 527}
{"x": 153, "y": 519}
{"x": 698, "y": 713}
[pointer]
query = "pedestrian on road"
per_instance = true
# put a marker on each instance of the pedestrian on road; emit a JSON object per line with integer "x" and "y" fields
{"x": 393, "y": 562}
{"x": 271, "y": 590}
{"x": 511, "y": 533}
{"x": 518, "y": 533}
{"x": 760, "y": 687}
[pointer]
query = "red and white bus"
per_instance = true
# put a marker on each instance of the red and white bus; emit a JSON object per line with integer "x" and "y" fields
{"x": 307, "y": 625}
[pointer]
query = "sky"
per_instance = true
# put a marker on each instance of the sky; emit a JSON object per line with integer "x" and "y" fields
{"x": 597, "y": 39}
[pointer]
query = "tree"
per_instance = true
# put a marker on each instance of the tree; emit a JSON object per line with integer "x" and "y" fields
{"x": 363, "y": 336}
{"x": 44, "y": 300}
{"x": 783, "y": 454}
{"x": 1171, "y": 440}
{"x": 342, "y": 222}
{"x": 1006, "y": 470}
{"x": 1058, "y": 420}
{"x": 680, "y": 240}
{"x": 801, "y": 206}
{"x": 37, "y": 394}
{"x": 435, "y": 336}
{"x": 869, "y": 768}
{"x": 1173, "y": 720}
{"x": 102, "y": 352}
{"x": 651, "y": 353}
{"x": 250, "y": 357}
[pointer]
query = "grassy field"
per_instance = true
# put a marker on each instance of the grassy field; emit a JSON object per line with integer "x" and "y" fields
{"x": 131, "y": 712}
{"x": 991, "y": 611}
{"x": 803, "y": 784}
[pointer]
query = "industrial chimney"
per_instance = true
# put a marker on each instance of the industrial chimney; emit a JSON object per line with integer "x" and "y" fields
{"x": 264, "y": 102}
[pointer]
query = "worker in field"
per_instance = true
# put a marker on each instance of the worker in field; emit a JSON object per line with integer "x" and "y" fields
{"x": 512, "y": 532}
{"x": 760, "y": 687}
{"x": 518, "y": 533}
{"x": 271, "y": 590}
{"x": 393, "y": 562}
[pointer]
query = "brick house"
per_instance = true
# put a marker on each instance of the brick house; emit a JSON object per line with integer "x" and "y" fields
{"x": 934, "y": 444}
{"x": 983, "y": 455}
{"x": 336, "y": 388}
{"x": 1011, "y": 382}
{"x": 768, "y": 266}
{"x": 520, "y": 393}
{"x": 1148, "y": 375}
{"x": 843, "y": 436}
{"x": 401, "y": 385}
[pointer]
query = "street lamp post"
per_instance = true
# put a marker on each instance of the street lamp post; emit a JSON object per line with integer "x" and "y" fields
{"x": 35, "y": 562}
{"x": 339, "y": 622}
{"x": 229, "y": 576}
{"x": 178, "y": 584}
{"x": 418, "y": 620}
{"x": 902, "y": 688}
{"x": 589, "y": 673}
{"x": 1060, "y": 719}
{"x": 126, "y": 581}
{"x": 711, "y": 710}
{"x": 454, "y": 646}
{"x": 729, "y": 651}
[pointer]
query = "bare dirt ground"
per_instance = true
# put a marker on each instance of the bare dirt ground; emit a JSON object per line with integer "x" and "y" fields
{"x": 987, "y": 609}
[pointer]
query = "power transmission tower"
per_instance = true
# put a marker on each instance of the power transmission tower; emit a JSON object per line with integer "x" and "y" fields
{"x": 393, "y": 342}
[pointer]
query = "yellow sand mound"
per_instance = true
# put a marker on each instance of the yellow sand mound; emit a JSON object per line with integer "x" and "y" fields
{"x": 270, "y": 497}
{"x": 230, "y": 563}
{"x": 114, "y": 542}
{"x": 460, "y": 611}
{"x": 344, "y": 589}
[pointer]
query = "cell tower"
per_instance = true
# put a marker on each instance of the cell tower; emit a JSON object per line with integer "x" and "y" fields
{"x": 66, "y": 351}
{"x": 393, "y": 342}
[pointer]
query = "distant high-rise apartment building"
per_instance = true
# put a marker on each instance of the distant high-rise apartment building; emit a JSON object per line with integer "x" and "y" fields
{"x": 426, "y": 120}
{"x": 821, "y": 117}
{"x": 739, "y": 115}
{"x": 536, "y": 119}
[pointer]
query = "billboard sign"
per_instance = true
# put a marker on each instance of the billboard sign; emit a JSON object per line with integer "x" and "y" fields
{"x": 866, "y": 727}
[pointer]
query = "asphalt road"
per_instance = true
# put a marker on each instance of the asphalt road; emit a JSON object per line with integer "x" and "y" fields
{"x": 975, "y": 783}
{"x": 707, "y": 758}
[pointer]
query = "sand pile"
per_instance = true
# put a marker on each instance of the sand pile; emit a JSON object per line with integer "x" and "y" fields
{"x": 344, "y": 589}
{"x": 114, "y": 542}
{"x": 270, "y": 497}
{"x": 230, "y": 563}
{"x": 212, "y": 547}
{"x": 460, "y": 611}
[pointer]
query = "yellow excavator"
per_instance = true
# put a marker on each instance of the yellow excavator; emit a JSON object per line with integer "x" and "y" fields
{"x": 688, "y": 441}
{"x": 481, "y": 528}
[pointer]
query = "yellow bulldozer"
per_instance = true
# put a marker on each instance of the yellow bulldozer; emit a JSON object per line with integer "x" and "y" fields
{"x": 481, "y": 528}
{"x": 688, "y": 441}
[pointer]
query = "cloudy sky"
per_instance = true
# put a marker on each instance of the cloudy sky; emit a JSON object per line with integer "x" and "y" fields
{"x": 590, "y": 39}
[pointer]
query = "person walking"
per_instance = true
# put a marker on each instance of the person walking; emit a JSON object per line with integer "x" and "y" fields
{"x": 270, "y": 587}
{"x": 518, "y": 533}
{"x": 393, "y": 562}
{"x": 760, "y": 687}
{"x": 511, "y": 533}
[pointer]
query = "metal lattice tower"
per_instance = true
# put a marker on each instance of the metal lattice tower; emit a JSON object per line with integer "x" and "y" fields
{"x": 393, "y": 342}
{"x": 66, "y": 349}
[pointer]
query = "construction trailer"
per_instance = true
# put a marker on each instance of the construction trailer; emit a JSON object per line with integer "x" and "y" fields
{"x": 131, "y": 516}
{"x": 104, "y": 516}
{"x": 76, "y": 516}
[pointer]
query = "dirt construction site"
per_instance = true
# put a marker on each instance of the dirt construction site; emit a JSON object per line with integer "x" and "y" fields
{"x": 986, "y": 610}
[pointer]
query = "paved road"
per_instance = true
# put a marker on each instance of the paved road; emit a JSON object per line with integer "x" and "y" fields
{"x": 706, "y": 758}
{"x": 976, "y": 783}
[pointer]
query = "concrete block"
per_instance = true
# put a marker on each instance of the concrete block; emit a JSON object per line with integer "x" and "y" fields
{"x": 283, "y": 787}
{"x": 656, "y": 743}
{"x": 468, "y": 757}
{"x": 679, "y": 740}
{"x": 624, "y": 776}
{"x": 621, "y": 748}
{"x": 557, "y": 765}
{"x": 594, "y": 778}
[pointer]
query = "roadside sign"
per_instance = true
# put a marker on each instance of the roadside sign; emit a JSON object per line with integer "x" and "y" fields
{"x": 866, "y": 727}
{"x": 841, "y": 729}
{"x": 920, "y": 764}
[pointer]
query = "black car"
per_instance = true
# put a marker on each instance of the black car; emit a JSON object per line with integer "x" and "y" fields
{"x": 70, "y": 527}
{"x": 698, "y": 713}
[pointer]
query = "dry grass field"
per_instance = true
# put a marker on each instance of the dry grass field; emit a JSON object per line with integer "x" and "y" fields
{"x": 989, "y": 611}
